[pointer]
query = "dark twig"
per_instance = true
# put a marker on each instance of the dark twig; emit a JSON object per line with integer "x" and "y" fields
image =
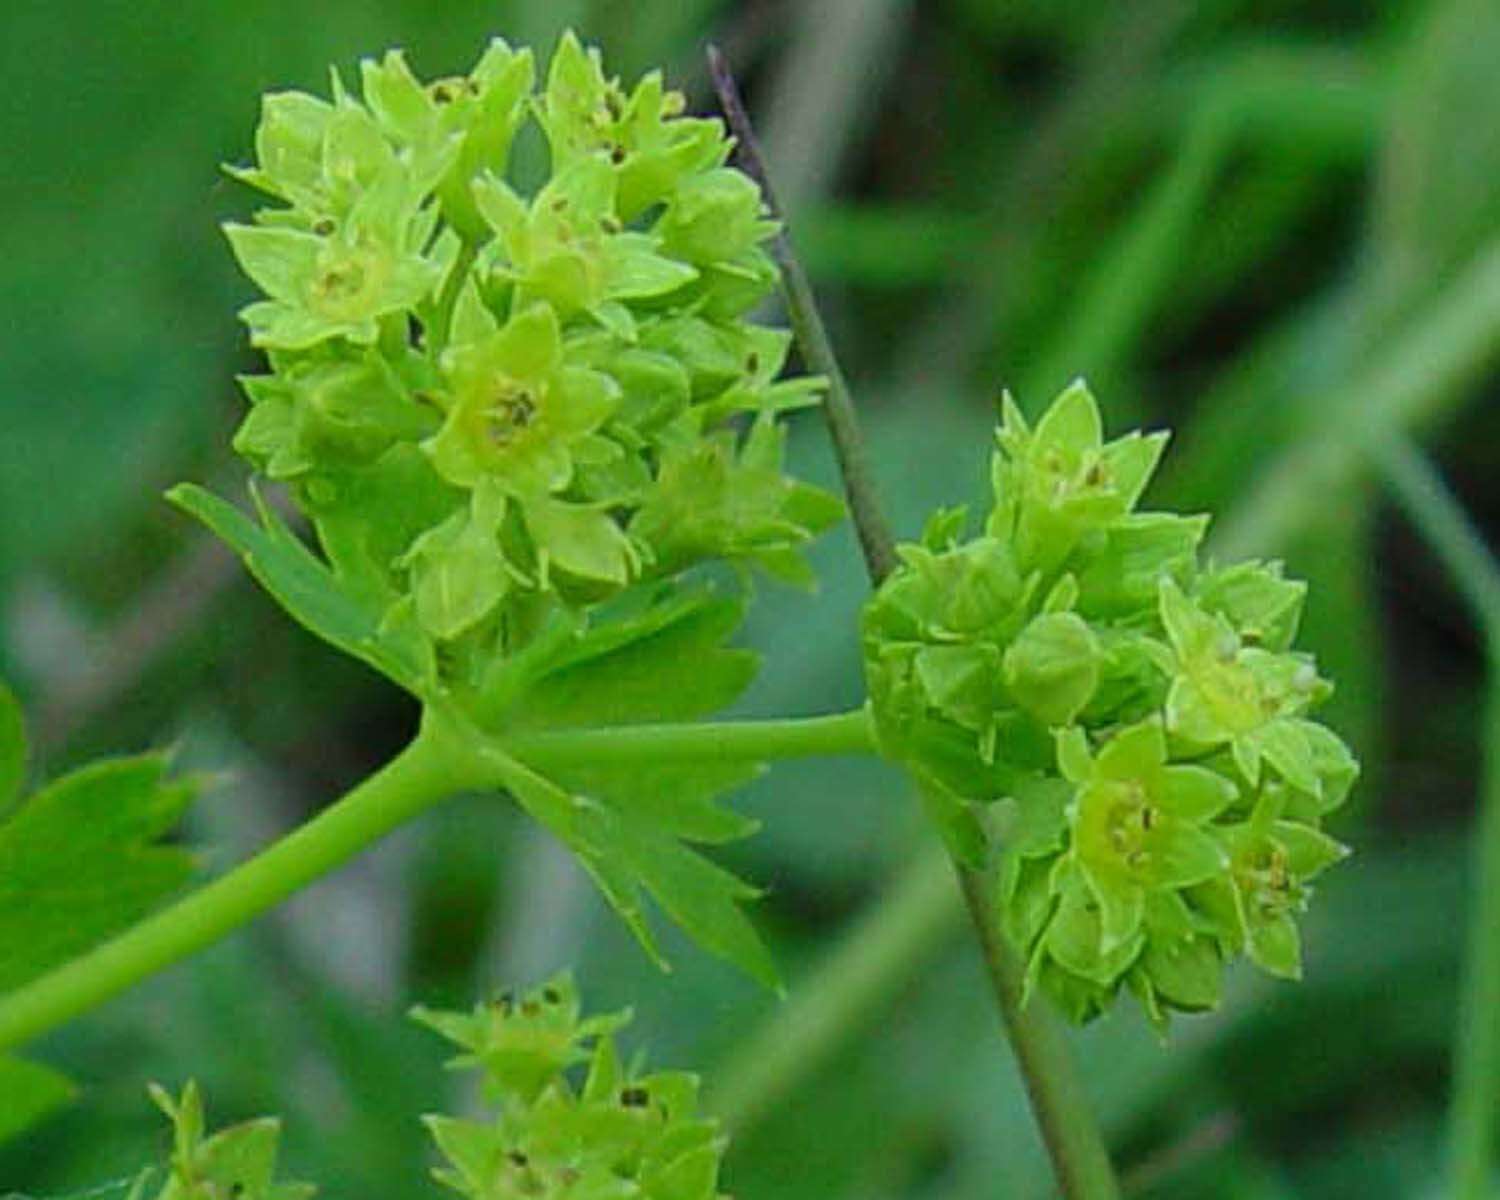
{"x": 874, "y": 532}
{"x": 1079, "y": 1156}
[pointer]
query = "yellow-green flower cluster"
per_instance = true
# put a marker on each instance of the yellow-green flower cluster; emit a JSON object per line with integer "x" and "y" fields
{"x": 567, "y": 1119}
{"x": 239, "y": 1161}
{"x": 505, "y": 373}
{"x": 1117, "y": 730}
{"x": 602, "y": 1132}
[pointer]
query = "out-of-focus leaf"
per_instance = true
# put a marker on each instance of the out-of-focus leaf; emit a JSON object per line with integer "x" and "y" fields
{"x": 29, "y": 1092}
{"x": 12, "y": 747}
{"x": 1438, "y": 199}
{"x": 81, "y": 860}
{"x": 1341, "y": 624}
{"x": 885, "y": 247}
{"x": 671, "y": 670}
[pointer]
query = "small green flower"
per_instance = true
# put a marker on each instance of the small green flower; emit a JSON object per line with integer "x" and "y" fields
{"x": 1139, "y": 823}
{"x": 458, "y": 570}
{"x": 1181, "y": 965}
{"x": 469, "y": 119}
{"x": 620, "y": 1133}
{"x": 1263, "y": 607}
{"x": 239, "y": 1161}
{"x": 336, "y": 280}
{"x": 715, "y": 216}
{"x": 345, "y": 406}
{"x": 517, "y": 412}
{"x": 1272, "y": 861}
{"x": 1062, "y": 481}
{"x": 522, "y": 1045}
{"x": 649, "y": 145}
{"x": 971, "y": 591}
{"x": 1243, "y": 697}
{"x": 716, "y": 499}
{"x": 569, "y": 249}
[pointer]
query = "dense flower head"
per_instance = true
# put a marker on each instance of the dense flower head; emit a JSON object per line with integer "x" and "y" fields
{"x": 569, "y": 1119}
{"x": 563, "y": 1118}
{"x": 501, "y": 388}
{"x": 1119, "y": 732}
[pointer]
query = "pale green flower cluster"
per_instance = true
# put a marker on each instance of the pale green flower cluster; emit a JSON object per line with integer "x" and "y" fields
{"x": 511, "y": 368}
{"x": 568, "y": 1120}
{"x": 602, "y": 1132}
{"x": 1119, "y": 730}
{"x": 239, "y": 1161}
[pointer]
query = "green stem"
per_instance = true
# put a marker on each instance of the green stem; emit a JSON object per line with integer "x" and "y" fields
{"x": 1476, "y": 1052}
{"x": 1476, "y": 1046}
{"x": 442, "y": 325}
{"x": 1073, "y": 1139}
{"x": 430, "y": 769}
{"x": 629, "y": 745}
{"x": 875, "y": 539}
{"x": 1429, "y": 504}
{"x": 1057, "y": 1099}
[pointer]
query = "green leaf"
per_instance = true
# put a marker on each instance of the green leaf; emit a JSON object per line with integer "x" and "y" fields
{"x": 304, "y": 586}
{"x": 12, "y": 747}
{"x": 29, "y": 1092}
{"x": 674, "y": 673}
{"x": 677, "y": 797}
{"x": 81, "y": 860}
{"x": 629, "y": 849}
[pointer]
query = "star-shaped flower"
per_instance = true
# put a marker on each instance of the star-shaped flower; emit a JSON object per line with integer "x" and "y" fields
{"x": 1139, "y": 823}
{"x": 1244, "y": 697}
{"x": 567, "y": 247}
{"x": 337, "y": 278}
{"x": 516, "y": 411}
{"x": 1057, "y": 483}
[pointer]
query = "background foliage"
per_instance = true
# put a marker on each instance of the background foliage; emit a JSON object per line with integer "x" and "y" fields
{"x": 1263, "y": 225}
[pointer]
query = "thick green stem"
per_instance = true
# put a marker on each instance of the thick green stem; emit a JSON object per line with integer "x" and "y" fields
{"x": 1062, "y": 1110}
{"x": 421, "y": 775}
{"x": 441, "y": 332}
{"x": 446, "y": 757}
{"x": 626, "y": 745}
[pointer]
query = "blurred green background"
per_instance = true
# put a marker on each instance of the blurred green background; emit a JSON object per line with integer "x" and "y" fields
{"x": 1274, "y": 227}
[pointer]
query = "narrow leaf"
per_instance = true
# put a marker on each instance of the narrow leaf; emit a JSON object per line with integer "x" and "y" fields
{"x": 627, "y": 834}
{"x": 303, "y": 585}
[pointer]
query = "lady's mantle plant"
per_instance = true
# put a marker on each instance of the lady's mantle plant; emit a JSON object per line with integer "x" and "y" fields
{"x": 514, "y": 391}
{"x": 521, "y": 420}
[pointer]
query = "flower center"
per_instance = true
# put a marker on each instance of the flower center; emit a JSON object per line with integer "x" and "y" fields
{"x": 347, "y": 284}
{"x": 1268, "y": 884}
{"x": 1129, "y": 825}
{"x": 513, "y": 411}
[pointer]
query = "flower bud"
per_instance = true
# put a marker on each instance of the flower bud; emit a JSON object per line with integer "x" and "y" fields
{"x": 1052, "y": 668}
